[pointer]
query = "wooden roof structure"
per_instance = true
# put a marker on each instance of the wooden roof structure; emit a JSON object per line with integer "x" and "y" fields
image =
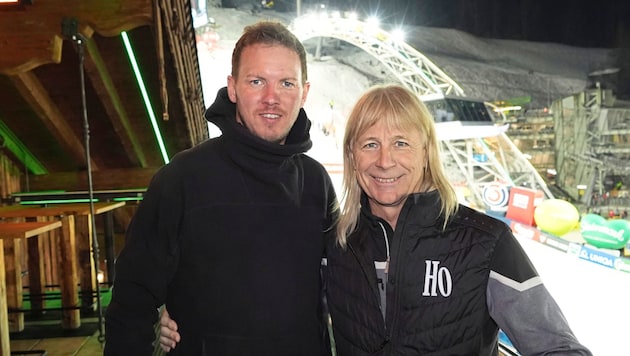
{"x": 78, "y": 74}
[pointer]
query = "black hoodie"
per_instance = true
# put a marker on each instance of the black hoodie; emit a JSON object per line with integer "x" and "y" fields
{"x": 229, "y": 235}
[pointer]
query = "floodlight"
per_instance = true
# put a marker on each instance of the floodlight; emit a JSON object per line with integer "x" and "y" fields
{"x": 373, "y": 21}
{"x": 398, "y": 35}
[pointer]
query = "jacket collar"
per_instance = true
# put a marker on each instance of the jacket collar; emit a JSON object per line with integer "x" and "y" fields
{"x": 423, "y": 207}
{"x": 223, "y": 114}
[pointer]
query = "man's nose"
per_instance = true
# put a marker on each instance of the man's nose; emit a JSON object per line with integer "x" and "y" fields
{"x": 270, "y": 95}
{"x": 385, "y": 158}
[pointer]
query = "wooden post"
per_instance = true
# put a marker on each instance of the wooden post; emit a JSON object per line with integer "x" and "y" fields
{"x": 86, "y": 263}
{"x": 5, "y": 343}
{"x": 68, "y": 274}
{"x": 13, "y": 249}
{"x": 36, "y": 271}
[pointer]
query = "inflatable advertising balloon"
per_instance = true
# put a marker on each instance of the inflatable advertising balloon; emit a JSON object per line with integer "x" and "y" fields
{"x": 599, "y": 232}
{"x": 556, "y": 216}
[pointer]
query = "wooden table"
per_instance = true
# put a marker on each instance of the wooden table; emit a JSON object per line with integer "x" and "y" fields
{"x": 10, "y": 294}
{"x": 81, "y": 228}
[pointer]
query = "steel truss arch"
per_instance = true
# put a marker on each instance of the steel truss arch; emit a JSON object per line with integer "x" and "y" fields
{"x": 409, "y": 66}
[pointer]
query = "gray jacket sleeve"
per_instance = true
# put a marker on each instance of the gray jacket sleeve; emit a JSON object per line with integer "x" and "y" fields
{"x": 523, "y": 308}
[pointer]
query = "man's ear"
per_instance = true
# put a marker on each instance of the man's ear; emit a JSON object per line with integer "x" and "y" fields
{"x": 307, "y": 87}
{"x": 231, "y": 88}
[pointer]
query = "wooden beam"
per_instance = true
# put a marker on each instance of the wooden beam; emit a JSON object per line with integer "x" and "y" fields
{"x": 37, "y": 97}
{"x": 33, "y": 35}
{"x": 101, "y": 80}
{"x": 102, "y": 180}
{"x": 33, "y": 51}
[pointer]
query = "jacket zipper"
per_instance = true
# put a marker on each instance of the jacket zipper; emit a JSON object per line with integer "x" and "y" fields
{"x": 387, "y": 332}
{"x": 376, "y": 295}
{"x": 398, "y": 247}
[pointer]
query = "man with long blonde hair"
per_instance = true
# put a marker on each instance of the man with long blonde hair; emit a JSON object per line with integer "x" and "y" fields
{"x": 411, "y": 271}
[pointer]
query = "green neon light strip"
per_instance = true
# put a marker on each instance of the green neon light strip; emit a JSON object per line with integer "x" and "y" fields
{"x": 20, "y": 151}
{"x": 128, "y": 199}
{"x": 145, "y": 96}
{"x": 57, "y": 201}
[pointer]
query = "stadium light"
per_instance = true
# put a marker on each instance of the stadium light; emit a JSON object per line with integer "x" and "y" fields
{"x": 398, "y": 35}
{"x": 373, "y": 21}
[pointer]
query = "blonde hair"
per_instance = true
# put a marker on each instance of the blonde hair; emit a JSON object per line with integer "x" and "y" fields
{"x": 401, "y": 109}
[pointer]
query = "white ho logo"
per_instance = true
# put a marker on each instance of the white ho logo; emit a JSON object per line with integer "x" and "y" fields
{"x": 436, "y": 277}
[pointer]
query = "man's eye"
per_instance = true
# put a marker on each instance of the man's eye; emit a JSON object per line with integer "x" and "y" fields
{"x": 370, "y": 145}
{"x": 288, "y": 84}
{"x": 401, "y": 144}
{"x": 256, "y": 82}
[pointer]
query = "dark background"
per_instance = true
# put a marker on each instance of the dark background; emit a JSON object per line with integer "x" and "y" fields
{"x": 581, "y": 23}
{"x": 594, "y": 23}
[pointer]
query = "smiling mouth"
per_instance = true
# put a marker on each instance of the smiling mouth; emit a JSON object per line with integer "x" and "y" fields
{"x": 385, "y": 180}
{"x": 270, "y": 116}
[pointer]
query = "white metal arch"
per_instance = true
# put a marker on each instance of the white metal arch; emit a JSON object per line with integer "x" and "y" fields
{"x": 503, "y": 161}
{"x": 409, "y": 66}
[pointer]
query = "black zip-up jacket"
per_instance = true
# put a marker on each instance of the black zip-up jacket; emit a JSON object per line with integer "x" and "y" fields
{"x": 230, "y": 236}
{"x": 447, "y": 291}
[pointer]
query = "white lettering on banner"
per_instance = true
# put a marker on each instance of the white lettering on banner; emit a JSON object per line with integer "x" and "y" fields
{"x": 522, "y": 231}
{"x": 436, "y": 277}
{"x": 601, "y": 259}
{"x": 520, "y": 201}
{"x": 558, "y": 245}
{"x": 617, "y": 234}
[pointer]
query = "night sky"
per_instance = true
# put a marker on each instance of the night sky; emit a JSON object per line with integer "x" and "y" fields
{"x": 594, "y": 23}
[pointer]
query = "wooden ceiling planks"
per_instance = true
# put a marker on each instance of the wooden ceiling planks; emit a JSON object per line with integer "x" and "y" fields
{"x": 41, "y": 90}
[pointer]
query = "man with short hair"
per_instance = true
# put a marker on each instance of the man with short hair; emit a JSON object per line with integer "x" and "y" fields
{"x": 230, "y": 233}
